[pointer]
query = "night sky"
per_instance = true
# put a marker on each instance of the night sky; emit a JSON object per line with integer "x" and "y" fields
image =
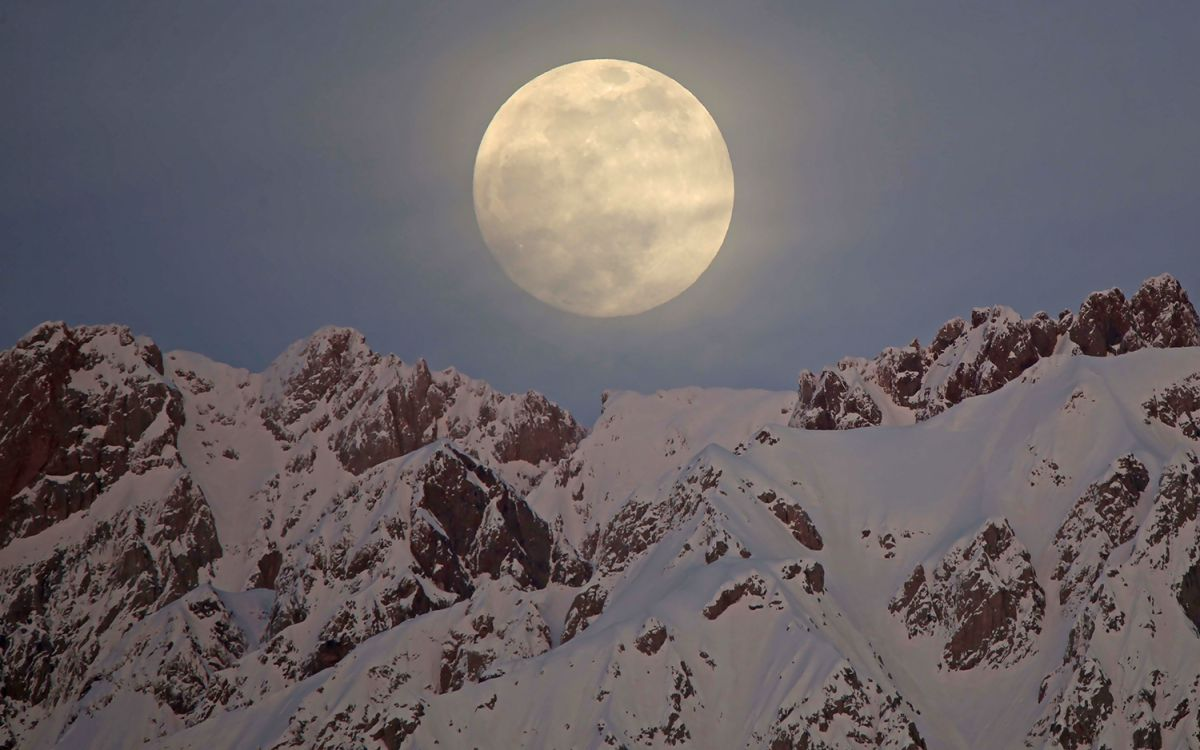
{"x": 228, "y": 177}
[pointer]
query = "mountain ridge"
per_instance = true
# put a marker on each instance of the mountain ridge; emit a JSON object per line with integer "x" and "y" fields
{"x": 348, "y": 550}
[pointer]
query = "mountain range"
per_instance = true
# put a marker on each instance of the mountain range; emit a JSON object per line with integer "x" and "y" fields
{"x": 987, "y": 541}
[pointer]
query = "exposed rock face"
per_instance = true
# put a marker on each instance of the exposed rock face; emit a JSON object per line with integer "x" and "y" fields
{"x": 126, "y": 568}
{"x": 1173, "y": 518}
{"x": 1086, "y": 705}
{"x": 640, "y": 525}
{"x": 652, "y": 638}
{"x": 994, "y": 348}
{"x": 795, "y": 518}
{"x": 378, "y": 408}
{"x": 848, "y": 712}
{"x": 813, "y": 573}
{"x": 1104, "y": 325}
{"x": 350, "y": 541}
{"x": 179, "y": 655}
{"x": 587, "y": 605}
{"x": 1188, "y": 595}
{"x": 1102, "y": 520}
{"x": 91, "y": 403}
{"x": 983, "y": 598}
{"x": 451, "y": 523}
{"x": 258, "y": 562}
{"x": 1162, "y": 314}
{"x": 1090, "y": 695}
{"x": 752, "y": 586}
{"x": 491, "y": 629}
{"x": 827, "y": 402}
{"x": 94, "y": 414}
{"x": 1178, "y": 405}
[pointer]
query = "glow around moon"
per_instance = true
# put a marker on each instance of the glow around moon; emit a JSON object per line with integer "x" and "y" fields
{"x": 603, "y": 188}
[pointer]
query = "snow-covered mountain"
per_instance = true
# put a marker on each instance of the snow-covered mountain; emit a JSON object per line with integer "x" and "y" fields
{"x": 346, "y": 550}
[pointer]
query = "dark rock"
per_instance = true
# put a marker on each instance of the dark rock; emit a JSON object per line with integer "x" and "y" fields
{"x": 1178, "y": 405}
{"x": 828, "y": 403}
{"x": 652, "y": 638}
{"x": 996, "y": 348}
{"x": 983, "y": 598}
{"x": 268, "y": 569}
{"x": 587, "y": 606}
{"x": 1104, "y": 325}
{"x": 395, "y": 730}
{"x": 1188, "y": 595}
{"x": 87, "y": 395}
{"x": 398, "y": 409}
{"x": 1102, "y": 520}
{"x": 330, "y": 652}
{"x": 1162, "y": 314}
{"x": 751, "y": 586}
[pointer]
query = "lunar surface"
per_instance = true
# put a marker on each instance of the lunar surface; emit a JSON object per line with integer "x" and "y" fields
{"x": 603, "y": 188}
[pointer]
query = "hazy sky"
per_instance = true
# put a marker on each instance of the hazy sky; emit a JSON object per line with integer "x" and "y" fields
{"x": 226, "y": 178}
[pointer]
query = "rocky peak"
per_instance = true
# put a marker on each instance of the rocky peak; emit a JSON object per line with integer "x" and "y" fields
{"x": 994, "y": 348}
{"x": 1103, "y": 325}
{"x": 829, "y": 402}
{"x": 93, "y": 404}
{"x": 1163, "y": 315}
{"x": 373, "y": 408}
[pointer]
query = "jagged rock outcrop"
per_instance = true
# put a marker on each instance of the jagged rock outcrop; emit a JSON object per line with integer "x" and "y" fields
{"x": 299, "y": 464}
{"x": 507, "y": 626}
{"x": 1103, "y": 693}
{"x": 848, "y": 712}
{"x": 1177, "y": 405}
{"x": 346, "y": 548}
{"x": 86, "y": 405}
{"x": 828, "y": 402}
{"x": 585, "y": 607}
{"x": 1102, "y": 520}
{"x": 751, "y": 586}
{"x": 63, "y": 607}
{"x": 400, "y": 541}
{"x": 376, "y": 408}
{"x": 982, "y": 598}
{"x": 994, "y": 348}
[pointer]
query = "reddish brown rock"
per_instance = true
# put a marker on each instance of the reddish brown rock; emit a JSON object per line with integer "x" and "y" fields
{"x": 848, "y": 711}
{"x": 828, "y": 403}
{"x": 652, "y": 638}
{"x": 996, "y": 347}
{"x": 1188, "y": 595}
{"x": 1104, "y": 325}
{"x": 586, "y": 607}
{"x": 1177, "y": 405}
{"x": 983, "y": 600}
{"x": 1084, "y": 708}
{"x": 795, "y": 518}
{"x": 87, "y": 396}
{"x": 1162, "y": 314}
{"x": 1102, "y": 520}
{"x": 386, "y": 409}
{"x": 753, "y": 585}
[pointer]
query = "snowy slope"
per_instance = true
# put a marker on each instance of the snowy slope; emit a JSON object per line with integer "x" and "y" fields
{"x": 347, "y": 550}
{"x": 642, "y": 440}
{"x": 743, "y": 649}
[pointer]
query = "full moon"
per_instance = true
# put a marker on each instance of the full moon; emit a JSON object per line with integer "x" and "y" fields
{"x": 603, "y": 188}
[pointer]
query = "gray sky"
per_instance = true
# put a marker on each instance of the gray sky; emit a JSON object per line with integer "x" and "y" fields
{"x": 227, "y": 177}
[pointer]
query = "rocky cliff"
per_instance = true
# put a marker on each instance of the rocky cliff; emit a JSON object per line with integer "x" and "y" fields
{"x": 996, "y": 346}
{"x": 348, "y": 550}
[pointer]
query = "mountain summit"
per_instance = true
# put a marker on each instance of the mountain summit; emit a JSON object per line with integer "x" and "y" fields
{"x": 989, "y": 541}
